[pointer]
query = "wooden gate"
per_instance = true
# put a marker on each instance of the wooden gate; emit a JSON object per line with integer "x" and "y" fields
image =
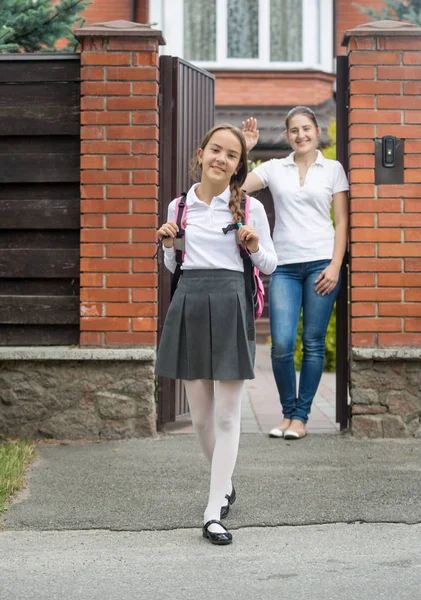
{"x": 342, "y": 302}
{"x": 186, "y": 113}
{"x": 39, "y": 199}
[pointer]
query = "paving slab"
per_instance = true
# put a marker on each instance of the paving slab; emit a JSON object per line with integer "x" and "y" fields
{"x": 264, "y": 397}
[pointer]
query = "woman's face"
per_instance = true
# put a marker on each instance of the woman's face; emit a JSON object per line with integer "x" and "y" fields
{"x": 302, "y": 134}
{"x": 220, "y": 158}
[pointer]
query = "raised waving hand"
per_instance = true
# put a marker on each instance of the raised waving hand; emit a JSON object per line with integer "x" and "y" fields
{"x": 250, "y": 132}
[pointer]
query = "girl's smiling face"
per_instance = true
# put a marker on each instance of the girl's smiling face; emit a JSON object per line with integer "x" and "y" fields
{"x": 220, "y": 159}
{"x": 302, "y": 134}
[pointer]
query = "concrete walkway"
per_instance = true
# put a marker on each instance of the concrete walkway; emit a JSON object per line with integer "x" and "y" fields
{"x": 261, "y": 409}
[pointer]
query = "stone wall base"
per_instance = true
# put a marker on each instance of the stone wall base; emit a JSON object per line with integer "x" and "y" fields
{"x": 386, "y": 397}
{"x": 77, "y": 399}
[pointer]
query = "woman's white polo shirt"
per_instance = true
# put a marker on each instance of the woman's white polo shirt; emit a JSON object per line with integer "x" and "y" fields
{"x": 303, "y": 229}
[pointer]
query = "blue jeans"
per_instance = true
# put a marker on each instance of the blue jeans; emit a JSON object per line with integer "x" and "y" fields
{"x": 292, "y": 287}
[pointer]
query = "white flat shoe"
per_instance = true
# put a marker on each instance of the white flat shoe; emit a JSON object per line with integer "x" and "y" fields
{"x": 290, "y": 434}
{"x": 276, "y": 433}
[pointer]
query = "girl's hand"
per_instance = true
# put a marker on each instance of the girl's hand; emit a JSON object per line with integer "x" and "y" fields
{"x": 250, "y": 132}
{"x": 167, "y": 233}
{"x": 249, "y": 238}
{"x": 327, "y": 280}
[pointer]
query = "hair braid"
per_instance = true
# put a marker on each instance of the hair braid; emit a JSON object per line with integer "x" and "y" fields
{"x": 235, "y": 202}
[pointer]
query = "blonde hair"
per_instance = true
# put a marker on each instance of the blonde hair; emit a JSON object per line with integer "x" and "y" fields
{"x": 238, "y": 178}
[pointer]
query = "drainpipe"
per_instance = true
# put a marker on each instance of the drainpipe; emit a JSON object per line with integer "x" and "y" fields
{"x": 133, "y": 11}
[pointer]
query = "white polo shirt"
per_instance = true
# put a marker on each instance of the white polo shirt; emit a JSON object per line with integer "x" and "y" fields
{"x": 208, "y": 247}
{"x": 303, "y": 229}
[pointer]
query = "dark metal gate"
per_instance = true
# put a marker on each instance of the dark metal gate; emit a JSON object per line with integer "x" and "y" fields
{"x": 186, "y": 113}
{"x": 342, "y": 318}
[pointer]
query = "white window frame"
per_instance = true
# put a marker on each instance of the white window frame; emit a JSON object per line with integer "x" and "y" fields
{"x": 317, "y": 42}
{"x": 156, "y": 14}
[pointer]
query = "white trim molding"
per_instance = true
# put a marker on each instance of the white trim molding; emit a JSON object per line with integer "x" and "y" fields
{"x": 155, "y": 14}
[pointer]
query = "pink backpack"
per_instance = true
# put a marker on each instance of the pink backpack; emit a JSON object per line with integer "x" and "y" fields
{"x": 254, "y": 285}
{"x": 250, "y": 271}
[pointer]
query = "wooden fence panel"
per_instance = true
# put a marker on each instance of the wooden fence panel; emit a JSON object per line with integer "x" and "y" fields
{"x": 39, "y": 199}
{"x": 39, "y": 159}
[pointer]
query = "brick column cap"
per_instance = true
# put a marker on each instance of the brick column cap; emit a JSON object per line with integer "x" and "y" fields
{"x": 120, "y": 28}
{"x": 384, "y": 28}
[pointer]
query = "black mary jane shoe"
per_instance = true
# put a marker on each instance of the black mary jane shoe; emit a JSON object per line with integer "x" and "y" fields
{"x": 221, "y": 539}
{"x": 231, "y": 499}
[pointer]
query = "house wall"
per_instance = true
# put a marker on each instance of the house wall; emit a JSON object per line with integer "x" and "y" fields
{"x": 242, "y": 88}
{"x": 111, "y": 10}
{"x": 272, "y": 88}
{"x": 349, "y": 16}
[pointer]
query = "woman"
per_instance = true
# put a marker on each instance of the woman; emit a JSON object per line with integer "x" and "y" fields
{"x": 208, "y": 339}
{"x": 310, "y": 253}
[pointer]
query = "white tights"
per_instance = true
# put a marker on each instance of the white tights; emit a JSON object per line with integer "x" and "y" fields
{"x": 215, "y": 409}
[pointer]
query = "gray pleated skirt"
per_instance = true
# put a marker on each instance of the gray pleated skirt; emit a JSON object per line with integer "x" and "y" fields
{"x": 208, "y": 331}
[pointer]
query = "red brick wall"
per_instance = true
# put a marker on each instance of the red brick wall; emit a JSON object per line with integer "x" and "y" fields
{"x": 119, "y": 191}
{"x": 112, "y": 10}
{"x": 101, "y": 11}
{"x": 349, "y": 16}
{"x": 386, "y": 219}
{"x": 272, "y": 88}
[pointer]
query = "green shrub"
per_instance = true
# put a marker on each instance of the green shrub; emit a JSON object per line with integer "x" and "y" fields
{"x": 36, "y": 25}
{"x": 330, "y": 151}
{"x": 330, "y": 356}
{"x": 252, "y": 165}
{"x": 394, "y": 10}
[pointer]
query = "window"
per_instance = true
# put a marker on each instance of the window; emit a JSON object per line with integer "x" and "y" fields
{"x": 250, "y": 33}
{"x": 286, "y": 30}
{"x": 242, "y": 29}
{"x": 199, "y": 30}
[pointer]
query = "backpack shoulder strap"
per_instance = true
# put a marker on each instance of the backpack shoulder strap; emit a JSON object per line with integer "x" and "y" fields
{"x": 245, "y": 207}
{"x": 248, "y": 271}
{"x": 180, "y": 213}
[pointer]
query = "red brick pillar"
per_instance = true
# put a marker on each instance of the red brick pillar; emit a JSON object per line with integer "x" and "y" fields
{"x": 119, "y": 183}
{"x": 385, "y": 239}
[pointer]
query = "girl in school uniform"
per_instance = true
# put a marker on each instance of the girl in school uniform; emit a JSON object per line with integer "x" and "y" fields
{"x": 309, "y": 250}
{"x": 208, "y": 339}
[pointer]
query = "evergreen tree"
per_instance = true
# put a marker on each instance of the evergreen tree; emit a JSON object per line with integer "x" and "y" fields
{"x": 36, "y": 25}
{"x": 404, "y": 10}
